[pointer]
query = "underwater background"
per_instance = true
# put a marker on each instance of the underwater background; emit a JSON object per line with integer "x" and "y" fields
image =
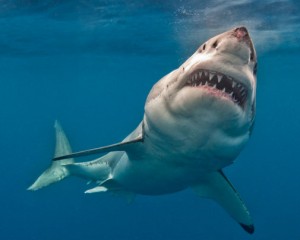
{"x": 91, "y": 64}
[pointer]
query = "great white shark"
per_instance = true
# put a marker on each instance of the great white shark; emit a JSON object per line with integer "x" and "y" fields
{"x": 197, "y": 120}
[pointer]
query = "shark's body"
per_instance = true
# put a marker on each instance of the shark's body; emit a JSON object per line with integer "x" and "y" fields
{"x": 197, "y": 119}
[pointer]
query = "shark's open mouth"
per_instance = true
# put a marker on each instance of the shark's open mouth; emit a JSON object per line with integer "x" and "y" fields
{"x": 222, "y": 84}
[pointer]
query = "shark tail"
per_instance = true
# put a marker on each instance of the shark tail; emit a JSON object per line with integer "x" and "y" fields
{"x": 57, "y": 170}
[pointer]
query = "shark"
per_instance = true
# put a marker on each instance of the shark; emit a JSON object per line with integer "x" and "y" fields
{"x": 196, "y": 121}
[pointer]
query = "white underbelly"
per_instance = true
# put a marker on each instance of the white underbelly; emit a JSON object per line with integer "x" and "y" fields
{"x": 154, "y": 177}
{"x": 162, "y": 165}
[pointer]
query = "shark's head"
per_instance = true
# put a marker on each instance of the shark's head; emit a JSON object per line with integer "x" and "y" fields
{"x": 225, "y": 66}
{"x": 214, "y": 89}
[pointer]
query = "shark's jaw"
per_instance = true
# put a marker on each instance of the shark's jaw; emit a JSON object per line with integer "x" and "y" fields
{"x": 219, "y": 85}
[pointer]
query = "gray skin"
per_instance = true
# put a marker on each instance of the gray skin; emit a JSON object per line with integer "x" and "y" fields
{"x": 197, "y": 120}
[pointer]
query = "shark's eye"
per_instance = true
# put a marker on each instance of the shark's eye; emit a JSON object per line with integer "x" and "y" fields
{"x": 215, "y": 44}
{"x": 255, "y": 69}
{"x": 251, "y": 56}
{"x": 202, "y": 48}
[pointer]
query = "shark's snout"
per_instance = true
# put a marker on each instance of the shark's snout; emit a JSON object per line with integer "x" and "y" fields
{"x": 241, "y": 33}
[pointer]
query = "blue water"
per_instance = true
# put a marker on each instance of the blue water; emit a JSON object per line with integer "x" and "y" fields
{"x": 90, "y": 64}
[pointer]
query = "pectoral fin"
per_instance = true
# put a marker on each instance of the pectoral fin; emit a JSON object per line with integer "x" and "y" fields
{"x": 122, "y": 146}
{"x": 135, "y": 137}
{"x": 217, "y": 187}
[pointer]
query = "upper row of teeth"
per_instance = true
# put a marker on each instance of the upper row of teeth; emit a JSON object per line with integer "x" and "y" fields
{"x": 211, "y": 75}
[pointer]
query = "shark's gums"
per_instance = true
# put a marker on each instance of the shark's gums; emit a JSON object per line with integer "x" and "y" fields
{"x": 197, "y": 120}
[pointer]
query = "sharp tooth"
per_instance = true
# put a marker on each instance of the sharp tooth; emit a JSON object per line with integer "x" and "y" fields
{"x": 231, "y": 94}
{"x": 200, "y": 74}
{"x": 223, "y": 90}
{"x": 219, "y": 78}
{"x": 211, "y": 76}
{"x": 196, "y": 76}
{"x": 233, "y": 84}
{"x": 205, "y": 73}
{"x": 206, "y": 84}
{"x": 214, "y": 86}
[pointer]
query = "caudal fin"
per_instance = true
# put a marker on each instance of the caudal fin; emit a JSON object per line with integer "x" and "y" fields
{"x": 57, "y": 171}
